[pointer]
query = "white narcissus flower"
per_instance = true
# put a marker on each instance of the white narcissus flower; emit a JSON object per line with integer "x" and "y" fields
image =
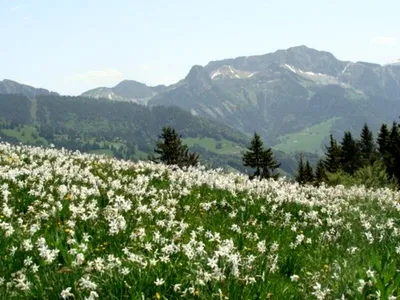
{"x": 177, "y": 287}
{"x": 159, "y": 281}
{"x": 65, "y": 294}
{"x": 84, "y": 193}
{"x": 86, "y": 283}
{"x": 92, "y": 296}
{"x": 294, "y": 277}
{"x": 370, "y": 273}
{"x": 124, "y": 271}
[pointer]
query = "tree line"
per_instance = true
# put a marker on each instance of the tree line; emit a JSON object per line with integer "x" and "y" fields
{"x": 357, "y": 160}
{"x": 374, "y": 163}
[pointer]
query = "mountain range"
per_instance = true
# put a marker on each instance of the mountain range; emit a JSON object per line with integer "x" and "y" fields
{"x": 294, "y": 98}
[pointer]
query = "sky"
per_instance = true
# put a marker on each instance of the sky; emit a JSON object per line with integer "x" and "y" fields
{"x": 76, "y": 45}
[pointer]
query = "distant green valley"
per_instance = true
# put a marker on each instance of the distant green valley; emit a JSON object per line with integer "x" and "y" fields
{"x": 119, "y": 129}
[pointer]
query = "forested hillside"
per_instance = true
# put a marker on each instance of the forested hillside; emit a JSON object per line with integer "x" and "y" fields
{"x": 121, "y": 129}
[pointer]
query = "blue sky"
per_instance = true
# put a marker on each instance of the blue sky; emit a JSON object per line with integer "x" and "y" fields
{"x": 75, "y": 45}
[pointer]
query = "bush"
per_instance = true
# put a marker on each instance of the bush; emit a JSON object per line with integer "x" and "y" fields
{"x": 340, "y": 178}
{"x": 372, "y": 176}
{"x": 375, "y": 176}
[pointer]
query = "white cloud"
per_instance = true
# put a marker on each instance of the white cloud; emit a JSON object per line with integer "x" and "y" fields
{"x": 98, "y": 75}
{"x": 384, "y": 40}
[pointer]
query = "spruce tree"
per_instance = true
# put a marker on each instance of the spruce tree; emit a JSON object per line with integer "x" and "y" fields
{"x": 308, "y": 173}
{"x": 350, "y": 154}
{"x": 189, "y": 159}
{"x": 300, "y": 176}
{"x": 260, "y": 159}
{"x": 367, "y": 146}
{"x": 253, "y": 157}
{"x": 383, "y": 140}
{"x": 304, "y": 172}
{"x": 172, "y": 151}
{"x": 320, "y": 173}
{"x": 269, "y": 165}
{"x": 332, "y": 161}
{"x": 394, "y": 152}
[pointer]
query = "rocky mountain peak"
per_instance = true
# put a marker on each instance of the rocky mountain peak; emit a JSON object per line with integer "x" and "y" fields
{"x": 198, "y": 77}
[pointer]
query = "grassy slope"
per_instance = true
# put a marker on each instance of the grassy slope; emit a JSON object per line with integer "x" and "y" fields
{"x": 25, "y": 135}
{"x": 307, "y": 140}
{"x": 227, "y": 147}
{"x": 210, "y": 234}
{"x": 105, "y": 152}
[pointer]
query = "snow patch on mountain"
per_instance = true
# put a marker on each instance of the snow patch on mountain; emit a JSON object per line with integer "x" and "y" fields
{"x": 345, "y": 68}
{"x": 229, "y": 72}
{"x": 317, "y": 74}
{"x": 290, "y": 68}
{"x": 308, "y": 74}
{"x": 394, "y": 63}
{"x": 217, "y": 73}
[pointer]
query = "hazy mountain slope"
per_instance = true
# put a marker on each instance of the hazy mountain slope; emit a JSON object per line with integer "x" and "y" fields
{"x": 302, "y": 57}
{"x": 127, "y": 90}
{"x": 288, "y": 91}
{"x": 12, "y": 87}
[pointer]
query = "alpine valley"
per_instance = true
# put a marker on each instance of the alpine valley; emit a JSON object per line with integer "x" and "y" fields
{"x": 294, "y": 98}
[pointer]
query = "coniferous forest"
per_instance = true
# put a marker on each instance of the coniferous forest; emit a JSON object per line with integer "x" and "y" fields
{"x": 374, "y": 162}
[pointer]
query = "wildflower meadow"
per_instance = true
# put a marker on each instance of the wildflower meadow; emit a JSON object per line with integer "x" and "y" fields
{"x": 80, "y": 226}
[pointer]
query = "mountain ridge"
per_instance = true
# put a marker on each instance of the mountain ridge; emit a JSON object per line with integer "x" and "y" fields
{"x": 278, "y": 94}
{"x": 290, "y": 90}
{"x": 8, "y": 86}
{"x": 126, "y": 90}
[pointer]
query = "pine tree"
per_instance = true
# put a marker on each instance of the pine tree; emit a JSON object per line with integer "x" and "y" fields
{"x": 253, "y": 157}
{"x": 304, "y": 172}
{"x": 383, "y": 140}
{"x": 172, "y": 151}
{"x": 269, "y": 165}
{"x": 394, "y": 152}
{"x": 350, "y": 154}
{"x": 308, "y": 173}
{"x": 320, "y": 173}
{"x": 332, "y": 161}
{"x": 300, "y": 176}
{"x": 259, "y": 159}
{"x": 367, "y": 146}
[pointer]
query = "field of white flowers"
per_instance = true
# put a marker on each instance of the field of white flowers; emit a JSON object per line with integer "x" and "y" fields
{"x": 77, "y": 226}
